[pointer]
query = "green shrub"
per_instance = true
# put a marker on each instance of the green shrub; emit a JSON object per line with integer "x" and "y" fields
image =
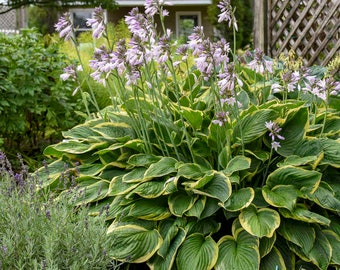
{"x": 35, "y": 105}
{"x": 38, "y": 232}
{"x": 222, "y": 164}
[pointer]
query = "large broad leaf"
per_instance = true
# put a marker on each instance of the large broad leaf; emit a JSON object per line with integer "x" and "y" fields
{"x": 236, "y": 164}
{"x": 219, "y": 187}
{"x": 48, "y": 176}
{"x": 162, "y": 167}
{"x": 116, "y": 131}
{"x": 143, "y": 159}
{"x": 325, "y": 197}
{"x": 197, "y": 252}
{"x": 239, "y": 252}
{"x": 273, "y": 261}
{"x": 80, "y": 132}
{"x": 334, "y": 240}
{"x": 133, "y": 243}
{"x": 74, "y": 147}
{"x": 331, "y": 149}
{"x": 198, "y": 207}
{"x": 300, "y": 212}
{"x": 118, "y": 187}
{"x": 166, "y": 262}
{"x": 194, "y": 117}
{"x": 151, "y": 189}
{"x": 180, "y": 202}
{"x": 321, "y": 252}
{"x": 191, "y": 171}
{"x": 239, "y": 199}
{"x": 304, "y": 180}
{"x": 293, "y": 130}
{"x": 150, "y": 209}
{"x": 297, "y": 232}
{"x": 92, "y": 193}
{"x": 253, "y": 125}
{"x": 294, "y": 160}
{"x": 259, "y": 222}
{"x": 266, "y": 245}
{"x": 281, "y": 196}
{"x": 134, "y": 176}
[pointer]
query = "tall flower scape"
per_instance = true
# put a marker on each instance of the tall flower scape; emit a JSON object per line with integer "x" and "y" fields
{"x": 206, "y": 159}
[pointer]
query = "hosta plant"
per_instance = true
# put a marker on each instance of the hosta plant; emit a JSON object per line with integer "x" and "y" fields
{"x": 207, "y": 160}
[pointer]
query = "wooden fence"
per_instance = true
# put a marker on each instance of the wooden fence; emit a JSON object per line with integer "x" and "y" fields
{"x": 309, "y": 27}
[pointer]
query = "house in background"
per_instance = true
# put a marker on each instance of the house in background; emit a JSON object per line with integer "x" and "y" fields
{"x": 184, "y": 15}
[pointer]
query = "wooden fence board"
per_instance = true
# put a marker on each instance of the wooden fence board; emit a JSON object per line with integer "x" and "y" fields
{"x": 309, "y": 27}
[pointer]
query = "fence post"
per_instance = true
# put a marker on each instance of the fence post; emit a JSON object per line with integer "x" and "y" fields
{"x": 260, "y": 22}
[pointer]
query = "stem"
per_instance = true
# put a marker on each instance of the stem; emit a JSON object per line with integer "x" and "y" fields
{"x": 267, "y": 168}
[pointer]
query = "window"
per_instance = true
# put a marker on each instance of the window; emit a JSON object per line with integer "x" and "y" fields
{"x": 185, "y": 22}
{"x": 79, "y": 18}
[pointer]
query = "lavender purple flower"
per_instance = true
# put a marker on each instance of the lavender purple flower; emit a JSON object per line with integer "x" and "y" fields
{"x": 221, "y": 118}
{"x": 227, "y": 14}
{"x": 64, "y": 26}
{"x": 260, "y": 64}
{"x": 274, "y": 134}
{"x": 97, "y": 22}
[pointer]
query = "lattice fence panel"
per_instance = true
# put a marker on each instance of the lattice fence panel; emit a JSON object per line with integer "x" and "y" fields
{"x": 310, "y": 27}
{"x": 8, "y": 21}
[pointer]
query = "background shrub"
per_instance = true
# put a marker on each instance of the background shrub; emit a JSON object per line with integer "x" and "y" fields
{"x": 35, "y": 105}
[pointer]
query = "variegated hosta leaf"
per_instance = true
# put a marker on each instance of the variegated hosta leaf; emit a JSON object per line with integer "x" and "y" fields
{"x": 293, "y": 130}
{"x": 253, "y": 125}
{"x": 194, "y": 117}
{"x": 90, "y": 169}
{"x": 198, "y": 207}
{"x": 320, "y": 254}
{"x": 180, "y": 202}
{"x": 199, "y": 183}
{"x": 80, "y": 132}
{"x": 266, "y": 245}
{"x": 139, "y": 160}
{"x": 118, "y": 131}
{"x": 150, "y": 209}
{"x": 237, "y": 163}
{"x": 273, "y": 260}
{"x": 118, "y": 187}
{"x": 74, "y": 147}
{"x": 197, "y": 252}
{"x": 294, "y": 160}
{"x": 191, "y": 171}
{"x": 166, "y": 262}
{"x": 259, "y": 222}
{"x": 164, "y": 166}
{"x": 331, "y": 149}
{"x": 281, "y": 196}
{"x": 325, "y": 197}
{"x": 136, "y": 175}
{"x": 219, "y": 187}
{"x": 133, "y": 243}
{"x": 49, "y": 176}
{"x": 300, "y": 212}
{"x": 205, "y": 226}
{"x": 334, "y": 240}
{"x": 92, "y": 193}
{"x": 300, "y": 233}
{"x": 304, "y": 180}
{"x": 238, "y": 252}
{"x": 149, "y": 190}
{"x": 239, "y": 199}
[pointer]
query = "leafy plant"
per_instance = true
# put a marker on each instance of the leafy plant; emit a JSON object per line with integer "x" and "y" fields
{"x": 35, "y": 104}
{"x": 38, "y": 232}
{"x": 222, "y": 164}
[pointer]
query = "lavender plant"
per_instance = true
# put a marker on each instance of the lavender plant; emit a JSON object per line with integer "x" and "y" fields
{"x": 39, "y": 232}
{"x": 208, "y": 159}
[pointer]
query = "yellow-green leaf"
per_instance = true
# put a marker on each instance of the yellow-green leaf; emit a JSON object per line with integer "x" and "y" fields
{"x": 197, "y": 252}
{"x": 259, "y": 222}
{"x": 241, "y": 252}
{"x": 133, "y": 243}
